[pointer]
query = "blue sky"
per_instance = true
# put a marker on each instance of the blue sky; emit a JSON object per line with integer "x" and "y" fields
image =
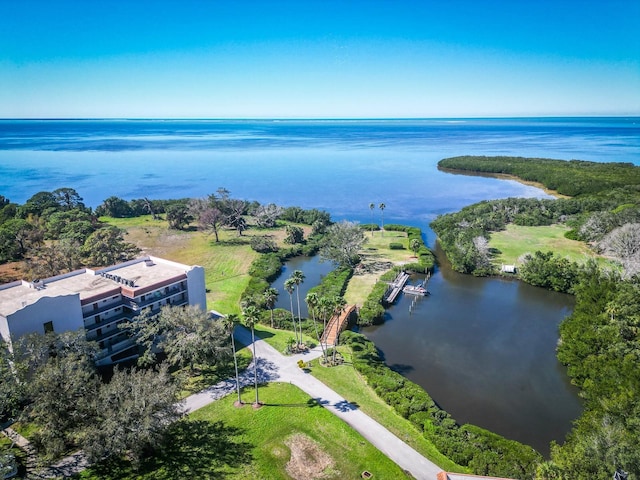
{"x": 310, "y": 59}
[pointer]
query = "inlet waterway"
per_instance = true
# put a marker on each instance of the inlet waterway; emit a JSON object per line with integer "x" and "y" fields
{"x": 483, "y": 348}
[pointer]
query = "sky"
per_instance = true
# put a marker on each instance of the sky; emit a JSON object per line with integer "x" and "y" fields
{"x": 318, "y": 59}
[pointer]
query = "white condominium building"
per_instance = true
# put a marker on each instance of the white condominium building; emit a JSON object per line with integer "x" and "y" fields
{"x": 98, "y": 301}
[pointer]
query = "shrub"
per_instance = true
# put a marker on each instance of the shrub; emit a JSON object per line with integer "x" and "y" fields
{"x": 396, "y": 246}
{"x": 263, "y": 244}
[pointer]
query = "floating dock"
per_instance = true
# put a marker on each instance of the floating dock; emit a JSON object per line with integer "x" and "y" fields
{"x": 396, "y": 287}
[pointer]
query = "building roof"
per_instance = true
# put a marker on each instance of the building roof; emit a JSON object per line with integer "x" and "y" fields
{"x": 140, "y": 274}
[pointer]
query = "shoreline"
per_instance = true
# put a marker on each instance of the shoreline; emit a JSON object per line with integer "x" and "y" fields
{"x": 503, "y": 176}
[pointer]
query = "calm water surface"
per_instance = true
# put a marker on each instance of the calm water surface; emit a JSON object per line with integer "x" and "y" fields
{"x": 484, "y": 349}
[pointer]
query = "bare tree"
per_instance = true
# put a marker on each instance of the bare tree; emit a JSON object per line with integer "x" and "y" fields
{"x": 266, "y": 215}
{"x": 206, "y": 211}
{"x": 624, "y": 244}
{"x": 483, "y": 258}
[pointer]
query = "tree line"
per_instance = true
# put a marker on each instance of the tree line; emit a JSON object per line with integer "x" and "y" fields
{"x": 54, "y": 232}
{"x": 572, "y": 178}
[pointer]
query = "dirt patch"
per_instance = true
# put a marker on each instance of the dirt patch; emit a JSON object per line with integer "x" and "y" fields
{"x": 12, "y": 271}
{"x": 308, "y": 460}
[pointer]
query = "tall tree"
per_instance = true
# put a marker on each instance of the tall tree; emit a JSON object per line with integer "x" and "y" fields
{"x": 234, "y": 211}
{"x": 114, "y": 207}
{"x": 270, "y": 297}
{"x": 298, "y": 279}
{"x": 135, "y": 410}
{"x": 39, "y": 204}
{"x": 251, "y": 316}
{"x": 187, "y": 335}
{"x": 62, "y": 393}
{"x": 148, "y": 206}
{"x": 415, "y": 245}
{"x": 382, "y": 207}
{"x": 342, "y": 242}
{"x": 68, "y": 199}
{"x": 313, "y": 302}
{"x": 266, "y": 215}
{"x": 106, "y": 246}
{"x": 290, "y": 286}
{"x": 54, "y": 258}
{"x": 208, "y": 213}
{"x": 13, "y": 387}
{"x": 230, "y": 322}
{"x": 371, "y": 207}
{"x": 178, "y": 216}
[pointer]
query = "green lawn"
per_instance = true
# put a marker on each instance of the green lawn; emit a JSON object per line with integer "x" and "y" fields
{"x": 222, "y": 441}
{"x": 377, "y": 250}
{"x": 278, "y": 339}
{"x": 346, "y": 381}
{"x": 225, "y": 263}
{"x": 517, "y": 240}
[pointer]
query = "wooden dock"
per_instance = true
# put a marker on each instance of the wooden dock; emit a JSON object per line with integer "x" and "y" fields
{"x": 396, "y": 287}
{"x": 336, "y": 325}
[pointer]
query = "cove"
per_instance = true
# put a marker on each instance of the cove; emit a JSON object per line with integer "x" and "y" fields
{"x": 483, "y": 348}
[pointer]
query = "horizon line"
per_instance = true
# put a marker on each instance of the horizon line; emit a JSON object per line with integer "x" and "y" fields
{"x": 480, "y": 117}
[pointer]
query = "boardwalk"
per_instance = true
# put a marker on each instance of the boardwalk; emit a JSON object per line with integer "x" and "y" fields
{"x": 336, "y": 325}
{"x": 396, "y": 287}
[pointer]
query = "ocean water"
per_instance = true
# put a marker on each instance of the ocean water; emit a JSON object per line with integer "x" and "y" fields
{"x": 338, "y": 165}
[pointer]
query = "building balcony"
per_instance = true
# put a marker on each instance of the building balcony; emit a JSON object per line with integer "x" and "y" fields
{"x": 173, "y": 295}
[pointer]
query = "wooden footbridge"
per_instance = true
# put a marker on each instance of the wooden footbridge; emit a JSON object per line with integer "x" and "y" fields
{"x": 336, "y": 325}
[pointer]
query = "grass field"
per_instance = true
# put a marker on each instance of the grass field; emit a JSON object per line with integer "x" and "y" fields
{"x": 345, "y": 380}
{"x": 222, "y": 441}
{"x": 516, "y": 240}
{"x": 377, "y": 250}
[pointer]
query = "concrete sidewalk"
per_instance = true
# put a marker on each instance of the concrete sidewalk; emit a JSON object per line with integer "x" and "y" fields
{"x": 274, "y": 366}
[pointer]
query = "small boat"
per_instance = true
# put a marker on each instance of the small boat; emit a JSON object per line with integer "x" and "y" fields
{"x": 415, "y": 290}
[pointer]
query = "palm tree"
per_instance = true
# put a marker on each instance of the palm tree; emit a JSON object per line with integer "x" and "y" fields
{"x": 325, "y": 306}
{"x": 371, "y": 207}
{"x": 415, "y": 245}
{"x": 289, "y": 286}
{"x": 313, "y": 300}
{"x": 298, "y": 278}
{"x": 270, "y": 296}
{"x": 338, "y": 303}
{"x": 230, "y": 322}
{"x": 251, "y": 316}
{"x": 382, "y": 207}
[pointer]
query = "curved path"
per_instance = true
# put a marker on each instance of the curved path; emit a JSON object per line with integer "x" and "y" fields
{"x": 273, "y": 366}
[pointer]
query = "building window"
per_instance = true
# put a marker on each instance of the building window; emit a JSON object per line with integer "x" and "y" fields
{"x": 95, "y": 306}
{"x": 48, "y": 327}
